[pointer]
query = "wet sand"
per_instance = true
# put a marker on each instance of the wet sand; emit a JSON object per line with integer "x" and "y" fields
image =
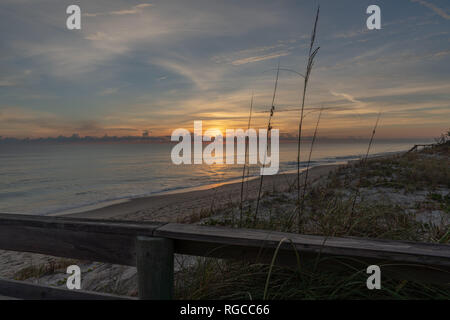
{"x": 177, "y": 206}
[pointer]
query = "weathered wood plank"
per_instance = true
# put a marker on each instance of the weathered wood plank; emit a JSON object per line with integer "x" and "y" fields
{"x": 23, "y": 290}
{"x": 81, "y": 245}
{"x": 79, "y": 224}
{"x": 115, "y": 242}
{"x": 398, "y": 259}
{"x": 416, "y": 146}
{"x": 402, "y": 251}
{"x": 84, "y": 239}
{"x": 8, "y": 298}
{"x": 154, "y": 258}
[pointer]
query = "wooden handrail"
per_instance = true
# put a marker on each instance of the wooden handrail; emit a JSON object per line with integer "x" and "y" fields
{"x": 22, "y": 290}
{"x": 416, "y": 146}
{"x": 116, "y": 242}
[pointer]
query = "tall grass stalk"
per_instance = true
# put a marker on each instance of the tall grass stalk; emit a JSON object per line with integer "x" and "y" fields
{"x": 372, "y": 136}
{"x": 272, "y": 263}
{"x": 311, "y": 55}
{"x": 269, "y": 128}
{"x": 309, "y": 160}
{"x": 363, "y": 162}
{"x": 245, "y": 162}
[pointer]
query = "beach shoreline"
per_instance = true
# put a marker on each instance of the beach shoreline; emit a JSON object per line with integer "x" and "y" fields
{"x": 176, "y": 205}
{"x": 186, "y": 201}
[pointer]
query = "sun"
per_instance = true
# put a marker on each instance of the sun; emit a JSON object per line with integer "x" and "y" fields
{"x": 214, "y": 132}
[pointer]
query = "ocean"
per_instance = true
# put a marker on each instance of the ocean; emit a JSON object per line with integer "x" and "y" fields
{"x": 54, "y": 178}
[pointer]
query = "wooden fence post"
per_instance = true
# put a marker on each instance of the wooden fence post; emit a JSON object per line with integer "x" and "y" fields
{"x": 154, "y": 261}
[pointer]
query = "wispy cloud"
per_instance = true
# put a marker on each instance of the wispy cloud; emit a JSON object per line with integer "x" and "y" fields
{"x": 260, "y": 58}
{"x": 436, "y": 9}
{"x": 14, "y": 80}
{"x": 7, "y": 83}
{"x": 108, "y": 91}
{"x": 99, "y": 36}
{"x": 350, "y": 34}
{"x": 347, "y": 97}
{"x": 281, "y": 49}
{"x": 42, "y": 124}
{"x": 133, "y": 10}
{"x": 204, "y": 76}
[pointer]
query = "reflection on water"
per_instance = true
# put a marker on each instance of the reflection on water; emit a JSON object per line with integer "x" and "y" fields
{"x": 49, "y": 178}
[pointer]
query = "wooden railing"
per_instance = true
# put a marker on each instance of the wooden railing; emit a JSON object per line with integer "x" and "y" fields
{"x": 151, "y": 247}
{"x": 417, "y": 146}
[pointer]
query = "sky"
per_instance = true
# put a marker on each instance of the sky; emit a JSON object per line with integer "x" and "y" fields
{"x": 160, "y": 65}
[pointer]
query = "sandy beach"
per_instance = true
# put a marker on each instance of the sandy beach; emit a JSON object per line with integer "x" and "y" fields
{"x": 175, "y": 207}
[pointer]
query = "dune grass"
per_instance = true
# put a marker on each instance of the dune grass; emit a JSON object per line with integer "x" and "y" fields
{"x": 40, "y": 270}
{"x": 331, "y": 207}
{"x": 220, "y": 279}
{"x": 309, "y": 65}
{"x": 328, "y": 204}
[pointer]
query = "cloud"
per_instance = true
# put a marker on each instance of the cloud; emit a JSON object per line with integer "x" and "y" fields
{"x": 347, "y": 96}
{"x": 281, "y": 49}
{"x": 203, "y": 76}
{"x": 159, "y": 31}
{"x": 350, "y": 34}
{"x": 431, "y": 6}
{"x": 25, "y": 122}
{"x": 441, "y": 53}
{"x": 260, "y": 58}
{"x": 14, "y": 80}
{"x": 108, "y": 91}
{"x": 99, "y": 36}
{"x": 133, "y": 10}
{"x": 7, "y": 83}
{"x": 63, "y": 59}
